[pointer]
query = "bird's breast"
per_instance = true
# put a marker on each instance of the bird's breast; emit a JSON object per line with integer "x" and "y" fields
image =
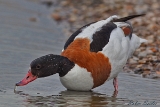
{"x": 78, "y": 79}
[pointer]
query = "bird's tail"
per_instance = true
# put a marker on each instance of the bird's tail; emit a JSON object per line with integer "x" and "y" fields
{"x": 123, "y": 19}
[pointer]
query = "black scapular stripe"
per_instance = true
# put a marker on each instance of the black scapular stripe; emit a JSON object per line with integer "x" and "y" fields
{"x": 71, "y": 38}
{"x": 101, "y": 38}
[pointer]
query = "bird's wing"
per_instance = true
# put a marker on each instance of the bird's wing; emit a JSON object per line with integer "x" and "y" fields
{"x": 99, "y": 39}
{"x": 88, "y": 30}
{"x": 98, "y": 32}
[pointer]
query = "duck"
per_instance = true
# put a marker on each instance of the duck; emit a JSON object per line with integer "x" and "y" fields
{"x": 93, "y": 55}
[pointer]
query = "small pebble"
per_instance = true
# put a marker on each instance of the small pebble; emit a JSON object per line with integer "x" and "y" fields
{"x": 142, "y": 54}
{"x": 33, "y": 19}
{"x": 56, "y": 16}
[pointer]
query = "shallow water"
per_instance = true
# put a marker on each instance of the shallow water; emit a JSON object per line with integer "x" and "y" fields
{"x": 22, "y": 40}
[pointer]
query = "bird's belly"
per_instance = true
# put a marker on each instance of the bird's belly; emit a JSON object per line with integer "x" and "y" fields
{"x": 78, "y": 79}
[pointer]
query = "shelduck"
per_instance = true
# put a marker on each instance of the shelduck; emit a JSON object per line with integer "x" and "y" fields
{"x": 92, "y": 55}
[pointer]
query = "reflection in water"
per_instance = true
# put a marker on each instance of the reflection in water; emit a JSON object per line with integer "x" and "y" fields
{"x": 71, "y": 98}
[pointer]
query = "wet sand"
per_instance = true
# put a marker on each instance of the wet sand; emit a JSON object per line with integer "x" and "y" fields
{"x": 27, "y": 32}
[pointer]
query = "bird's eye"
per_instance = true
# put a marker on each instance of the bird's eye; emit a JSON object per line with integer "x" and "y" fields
{"x": 38, "y": 66}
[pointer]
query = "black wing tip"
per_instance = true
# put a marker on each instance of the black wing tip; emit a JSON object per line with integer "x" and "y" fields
{"x": 123, "y": 19}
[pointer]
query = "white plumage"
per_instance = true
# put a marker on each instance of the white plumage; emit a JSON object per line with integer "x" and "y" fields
{"x": 77, "y": 79}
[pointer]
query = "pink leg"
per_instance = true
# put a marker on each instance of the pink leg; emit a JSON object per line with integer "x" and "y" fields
{"x": 115, "y": 83}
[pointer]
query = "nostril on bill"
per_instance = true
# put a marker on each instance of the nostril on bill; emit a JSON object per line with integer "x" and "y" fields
{"x": 27, "y": 77}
